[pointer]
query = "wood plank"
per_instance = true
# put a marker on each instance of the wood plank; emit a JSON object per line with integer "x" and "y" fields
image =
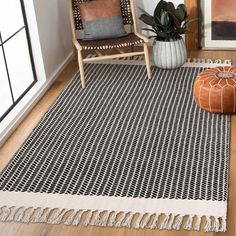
{"x": 192, "y": 39}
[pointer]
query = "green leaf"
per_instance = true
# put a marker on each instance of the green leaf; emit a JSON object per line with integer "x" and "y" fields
{"x": 148, "y": 29}
{"x": 165, "y": 20}
{"x": 179, "y": 14}
{"x": 183, "y": 8}
{"x": 190, "y": 21}
{"x": 174, "y": 19}
{"x": 170, "y": 6}
{"x": 147, "y": 19}
{"x": 161, "y": 34}
{"x": 161, "y": 6}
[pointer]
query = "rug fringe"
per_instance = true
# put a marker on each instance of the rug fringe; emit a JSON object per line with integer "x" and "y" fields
{"x": 74, "y": 218}
{"x": 154, "y": 222}
{"x": 209, "y": 61}
{"x": 216, "y": 225}
{"x": 189, "y": 224}
{"x": 111, "y": 218}
{"x": 37, "y": 215}
{"x": 207, "y": 227}
{"x": 88, "y": 218}
{"x": 223, "y": 225}
{"x": 139, "y": 60}
{"x": 127, "y": 221}
{"x": 105, "y": 218}
{"x": 11, "y": 214}
{"x": 120, "y": 219}
{"x": 19, "y": 214}
{"x": 145, "y": 221}
{"x": 197, "y": 225}
{"x": 165, "y": 222}
{"x": 138, "y": 221}
{"x": 178, "y": 222}
{"x": 171, "y": 221}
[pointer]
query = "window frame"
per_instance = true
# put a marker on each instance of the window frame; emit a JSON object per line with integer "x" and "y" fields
{"x": 26, "y": 28}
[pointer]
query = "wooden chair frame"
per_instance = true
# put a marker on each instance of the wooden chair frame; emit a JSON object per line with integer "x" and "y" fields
{"x": 120, "y": 53}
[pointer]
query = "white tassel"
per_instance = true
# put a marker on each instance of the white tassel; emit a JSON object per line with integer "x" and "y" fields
{"x": 189, "y": 224}
{"x": 178, "y": 222}
{"x": 197, "y": 225}
{"x": 74, "y": 218}
{"x": 112, "y": 219}
{"x": 171, "y": 221}
{"x": 69, "y": 219}
{"x": 207, "y": 227}
{"x": 202, "y": 60}
{"x": 88, "y": 218}
{"x": 154, "y": 222}
{"x": 19, "y": 214}
{"x": 209, "y": 61}
{"x": 44, "y": 217}
{"x": 198, "y": 60}
{"x": 138, "y": 221}
{"x": 120, "y": 219}
{"x": 145, "y": 221}
{"x": 216, "y": 225}
{"x": 128, "y": 220}
{"x": 5, "y": 213}
{"x": 96, "y": 219}
{"x": 37, "y": 214}
{"x": 78, "y": 217}
{"x": 164, "y": 223}
{"x": 27, "y": 216}
{"x": 223, "y": 225}
{"x": 56, "y": 217}
{"x": 13, "y": 211}
{"x": 104, "y": 218}
{"x": 228, "y": 62}
{"x": 1, "y": 210}
{"x": 218, "y": 61}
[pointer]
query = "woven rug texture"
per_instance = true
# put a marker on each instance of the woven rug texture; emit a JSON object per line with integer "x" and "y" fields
{"x": 121, "y": 147}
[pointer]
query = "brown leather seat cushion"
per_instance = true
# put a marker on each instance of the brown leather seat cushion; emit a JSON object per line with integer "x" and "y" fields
{"x": 215, "y": 90}
{"x": 128, "y": 40}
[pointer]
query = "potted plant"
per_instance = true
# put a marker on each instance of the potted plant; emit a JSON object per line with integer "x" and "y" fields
{"x": 168, "y": 24}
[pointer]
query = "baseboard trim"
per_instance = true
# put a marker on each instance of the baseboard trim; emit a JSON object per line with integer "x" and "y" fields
{"x": 7, "y": 127}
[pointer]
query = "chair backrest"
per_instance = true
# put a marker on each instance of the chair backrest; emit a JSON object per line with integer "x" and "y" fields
{"x": 126, "y": 10}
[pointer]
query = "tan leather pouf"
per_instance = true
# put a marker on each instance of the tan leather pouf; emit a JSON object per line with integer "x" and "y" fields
{"x": 215, "y": 90}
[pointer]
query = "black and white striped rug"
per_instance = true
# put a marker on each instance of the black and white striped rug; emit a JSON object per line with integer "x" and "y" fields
{"x": 122, "y": 152}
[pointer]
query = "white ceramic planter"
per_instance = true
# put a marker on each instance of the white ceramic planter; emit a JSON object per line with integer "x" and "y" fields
{"x": 169, "y": 55}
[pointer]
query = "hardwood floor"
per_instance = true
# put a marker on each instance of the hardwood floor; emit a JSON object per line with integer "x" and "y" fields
{"x": 25, "y": 128}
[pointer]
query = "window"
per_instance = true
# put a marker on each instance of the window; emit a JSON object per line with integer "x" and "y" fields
{"x": 17, "y": 72}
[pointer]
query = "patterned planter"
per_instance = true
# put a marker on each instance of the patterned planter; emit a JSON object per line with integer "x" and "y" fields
{"x": 169, "y": 55}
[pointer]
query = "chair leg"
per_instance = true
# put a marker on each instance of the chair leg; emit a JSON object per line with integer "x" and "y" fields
{"x": 81, "y": 68}
{"x": 147, "y": 60}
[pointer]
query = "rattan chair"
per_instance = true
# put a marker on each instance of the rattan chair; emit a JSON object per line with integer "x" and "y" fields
{"x": 133, "y": 38}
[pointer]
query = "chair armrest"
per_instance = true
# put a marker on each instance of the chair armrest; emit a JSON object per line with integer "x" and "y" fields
{"x": 145, "y": 39}
{"x": 77, "y": 45}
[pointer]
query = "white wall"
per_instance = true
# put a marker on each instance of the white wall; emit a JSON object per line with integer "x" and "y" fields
{"x": 54, "y": 33}
{"x": 149, "y": 5}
